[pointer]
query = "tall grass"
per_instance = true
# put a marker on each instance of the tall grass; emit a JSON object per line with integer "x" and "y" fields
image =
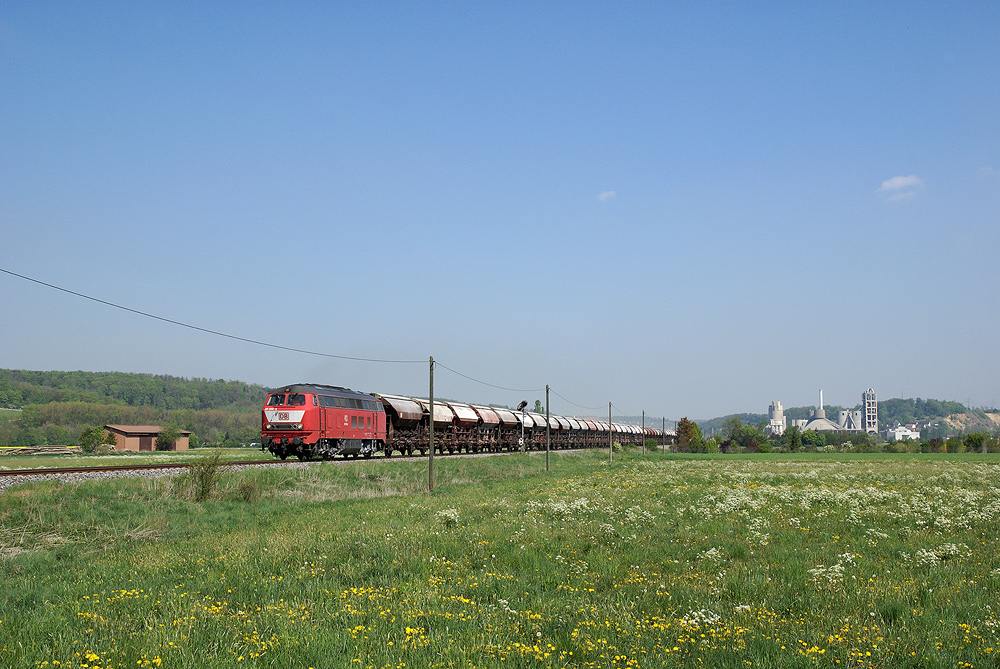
{"x": 643, "y": 562}
{"x": 15, "y": 461}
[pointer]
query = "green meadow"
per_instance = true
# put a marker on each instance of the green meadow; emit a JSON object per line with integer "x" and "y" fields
{"x": 649, "y": 560}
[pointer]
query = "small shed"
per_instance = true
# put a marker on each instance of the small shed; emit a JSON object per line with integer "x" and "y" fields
{"x": 143, "y": 437}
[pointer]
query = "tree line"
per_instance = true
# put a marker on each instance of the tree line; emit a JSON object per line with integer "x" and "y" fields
{"x": 59, "y": 408}
{"x": 21, "y": 387}
{"x": 735, "y": 437}
{"x": 63, "y": 423}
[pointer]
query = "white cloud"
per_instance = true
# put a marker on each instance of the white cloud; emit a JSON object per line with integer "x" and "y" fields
{"x": 905, "y": 195}
{"x": 607, "y": 195}
{"x": 899, "y": 183}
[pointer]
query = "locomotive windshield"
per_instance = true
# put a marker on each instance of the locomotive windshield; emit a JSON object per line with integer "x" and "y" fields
{"x": 294, "y": 400}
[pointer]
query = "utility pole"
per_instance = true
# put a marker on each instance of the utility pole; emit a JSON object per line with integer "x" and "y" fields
{"x": 611, "y": 436}
{"x": 430, "y": 434}
{"x": 663, "y": 434}
{"x": 520, "y": 407}
{"x": 547, "y": 438}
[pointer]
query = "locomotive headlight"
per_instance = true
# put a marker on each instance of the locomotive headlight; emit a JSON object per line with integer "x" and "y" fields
{"x": 297, "y": 426}
{"x": 268, "y": 427}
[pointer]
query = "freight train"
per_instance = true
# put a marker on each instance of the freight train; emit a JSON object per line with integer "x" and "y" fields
{"x": 311, "y": 421}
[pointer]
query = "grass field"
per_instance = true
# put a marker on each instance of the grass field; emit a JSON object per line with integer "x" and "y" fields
{"x": 644, "y": 562}
{"x": 11, "y": 460}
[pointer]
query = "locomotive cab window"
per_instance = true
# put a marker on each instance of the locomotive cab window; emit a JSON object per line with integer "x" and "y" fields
{"x": 296, "y": 400}
{"x": 275, "y": 400}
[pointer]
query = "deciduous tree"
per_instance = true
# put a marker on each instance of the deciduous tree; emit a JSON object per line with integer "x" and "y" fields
{"x": 168, "y": 436}
{"x": 689, "y": 436}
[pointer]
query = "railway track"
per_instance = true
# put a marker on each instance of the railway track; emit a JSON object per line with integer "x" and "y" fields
{"x": 123, "y": 468}
{"x": 15, "y": 476}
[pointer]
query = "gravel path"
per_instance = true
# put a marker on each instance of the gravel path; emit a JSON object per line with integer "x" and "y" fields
{"x": 8, "y": 481}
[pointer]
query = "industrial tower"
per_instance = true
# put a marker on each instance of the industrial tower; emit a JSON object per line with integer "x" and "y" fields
{"x": 870, "y": 403}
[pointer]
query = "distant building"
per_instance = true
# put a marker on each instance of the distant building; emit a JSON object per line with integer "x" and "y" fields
{"x": 901, "y": 433}
{"x": 869, "y": 404}
{"x": 818, "y": 422}
{"x": 860, "y": 420}
{"x": 850, "y": 420}
{"x": 776, "y": 419}
{"x": 143, "y": 437}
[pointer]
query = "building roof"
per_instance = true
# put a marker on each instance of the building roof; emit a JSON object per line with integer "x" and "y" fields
{"x": 822, "y": 424}
{"x": 142, "y": 429}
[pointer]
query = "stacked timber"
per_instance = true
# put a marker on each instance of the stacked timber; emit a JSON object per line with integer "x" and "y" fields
{"x": 41, "y": 450}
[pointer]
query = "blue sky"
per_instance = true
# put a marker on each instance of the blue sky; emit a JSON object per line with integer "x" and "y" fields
{"x": 688, "y": 209}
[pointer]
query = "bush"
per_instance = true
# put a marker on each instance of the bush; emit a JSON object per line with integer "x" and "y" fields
{"x": 975, "y": 442}
{"x": 95, "y": 439}
{"x": 813, "y": 438}
{"x": 864, "y": 447}
{"x": 168, "y": 436}
{"x": 248, "y": 490}
{"x": 200, "y": 480}
{"x": 893, "y": 447}
{"x": 935, "y": 445}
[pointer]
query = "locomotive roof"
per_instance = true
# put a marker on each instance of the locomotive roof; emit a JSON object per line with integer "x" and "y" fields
{"x": 318, "y": 389}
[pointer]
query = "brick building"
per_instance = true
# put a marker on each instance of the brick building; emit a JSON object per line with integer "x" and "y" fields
{"x": 143, "y": 437}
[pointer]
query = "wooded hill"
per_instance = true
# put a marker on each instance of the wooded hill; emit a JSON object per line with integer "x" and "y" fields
{"x": 58, "y": 406}
{"x": 19, "y": 387}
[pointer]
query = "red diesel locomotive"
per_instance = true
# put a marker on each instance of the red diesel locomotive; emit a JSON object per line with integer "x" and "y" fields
{"x": 313, "y": 421}
{"x": 316, "y": 421}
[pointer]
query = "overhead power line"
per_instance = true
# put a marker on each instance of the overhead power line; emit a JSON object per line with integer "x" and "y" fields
{"x": 206, "y": 330}
{"x": 287, "y": 348}
{"x": 580, "y": 406}
{"x": 464, "y": 376}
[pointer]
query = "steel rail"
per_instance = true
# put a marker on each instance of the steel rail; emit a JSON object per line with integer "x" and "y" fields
{"x": 125, "y": 468}
{"x": 172, "y": 465}
{"x": 48, "y": 471}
